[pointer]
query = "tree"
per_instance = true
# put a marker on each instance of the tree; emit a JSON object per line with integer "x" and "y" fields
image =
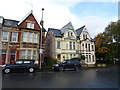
{"x": 101, "y": 43}
{"x": 113, "y": 32}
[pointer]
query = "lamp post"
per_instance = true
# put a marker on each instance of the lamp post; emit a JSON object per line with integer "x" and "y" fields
{"x": 41, "y": 23}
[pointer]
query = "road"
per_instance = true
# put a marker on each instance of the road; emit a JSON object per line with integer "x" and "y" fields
{"x": 84, "y": 78}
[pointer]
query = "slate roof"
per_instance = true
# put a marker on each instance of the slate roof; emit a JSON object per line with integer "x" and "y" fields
{"x": 9, "y": 22}
{"x": 93, "y": 40}
{"x": 56, "y": 32}
{"x": 66, "y": 27}
{"x": 79, "y": 30}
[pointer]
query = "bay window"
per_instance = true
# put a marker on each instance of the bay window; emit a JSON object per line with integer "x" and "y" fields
{"x": 29, "y": 53}
{"x": 35, "y": 38}
{"x": 25, "y": 36}
{"x": 70, "y": 45}
{"x": 30, "y": 37}
{"x": 23, "y": 54}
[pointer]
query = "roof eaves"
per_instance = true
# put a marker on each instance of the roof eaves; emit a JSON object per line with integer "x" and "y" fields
{"x": 31, "y": 12}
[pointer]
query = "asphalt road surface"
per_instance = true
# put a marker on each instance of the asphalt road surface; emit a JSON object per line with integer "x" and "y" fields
{"x": 84, "y": 78}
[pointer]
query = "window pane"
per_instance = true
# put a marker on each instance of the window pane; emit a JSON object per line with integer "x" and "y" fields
{"x": 28, "y": 24}
{"x": 29, "y": 54}
{"x": 58, "y": 44}
{"x": 19, "y": 62}
{"x": 5, "y": 36}
{"x": 25, "y": 36}
{"x": 74, "y": 45}
{"x": 32, "y": 25}
{"x": 14, "y": 36}
{"x": 23, "y": 54}
{"x": 35, "y": 37}
{"x": 30, "y": 37}
{"x": 34, "y": 54}
{"x": 26, "y": 62}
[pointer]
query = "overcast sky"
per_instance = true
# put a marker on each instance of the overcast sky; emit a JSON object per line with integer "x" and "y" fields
{"x": 95, "y": 14}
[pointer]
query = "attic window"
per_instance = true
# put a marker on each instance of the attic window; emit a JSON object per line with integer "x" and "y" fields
{"x": 30, "y": 25}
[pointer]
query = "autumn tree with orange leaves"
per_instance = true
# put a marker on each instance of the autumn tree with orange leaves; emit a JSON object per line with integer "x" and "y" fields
{"x": 101, "y": 43}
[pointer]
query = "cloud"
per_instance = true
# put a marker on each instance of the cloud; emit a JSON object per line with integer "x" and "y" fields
{"x": 94, "y": 24}
{"x": 56, "y": 14}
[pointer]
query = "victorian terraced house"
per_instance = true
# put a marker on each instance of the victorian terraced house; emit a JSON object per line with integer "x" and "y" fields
{"x": 67, "y": 43}
{"x": 20, "y": 39}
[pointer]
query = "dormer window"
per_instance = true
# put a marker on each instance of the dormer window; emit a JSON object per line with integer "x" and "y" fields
{"x": 30, "y": 25}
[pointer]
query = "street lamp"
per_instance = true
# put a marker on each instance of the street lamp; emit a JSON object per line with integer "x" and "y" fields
{"x": 41, "y": 23}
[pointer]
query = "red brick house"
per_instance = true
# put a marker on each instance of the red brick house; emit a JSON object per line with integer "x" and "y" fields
{"x": 26, "y": 35}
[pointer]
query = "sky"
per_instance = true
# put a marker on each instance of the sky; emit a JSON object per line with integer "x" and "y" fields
{"x": 95, "y": 14}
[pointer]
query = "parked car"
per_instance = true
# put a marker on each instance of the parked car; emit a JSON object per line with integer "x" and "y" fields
{"x": 67, "y": 64}
{"x": 20, "y": 65}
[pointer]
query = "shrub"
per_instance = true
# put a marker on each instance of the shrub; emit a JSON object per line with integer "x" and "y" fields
{"x": 50, "y": 61}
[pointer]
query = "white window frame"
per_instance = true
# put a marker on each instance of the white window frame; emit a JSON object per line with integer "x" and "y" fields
{"x": 16, "y": 37}
{"x": 23, "y": 54}
{"x": 3, "y": 36}
{"x": 30, "y": 37}
{"x": 74, "y": 45}
{"x": 35, "y": 38}
{"x": 30, "y": 25}
{"x": 25, "y": 37}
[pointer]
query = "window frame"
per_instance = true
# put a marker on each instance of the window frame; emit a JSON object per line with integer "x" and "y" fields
{"x": 25, "y": 36}
{"x": 16, "y": 37}
{"x": 58, "y": 44}
{"x": 35, "y": 38}
{"x": 3, "y": 36}
{"x": 30, "y": 25}
{"x": 30, "y": 37}
{"x": 74, "y": 46}
{"x": 70, "y": 45}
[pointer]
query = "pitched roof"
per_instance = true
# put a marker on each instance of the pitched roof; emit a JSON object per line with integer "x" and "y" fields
{"x": 66, "y": 27}
{"x": 56, "y": 32}
{"x": 79, "y": 30}
{"x": 9, "y": 22}
{"x": 93, "y": 40}
{"x": 31, "y": 12}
